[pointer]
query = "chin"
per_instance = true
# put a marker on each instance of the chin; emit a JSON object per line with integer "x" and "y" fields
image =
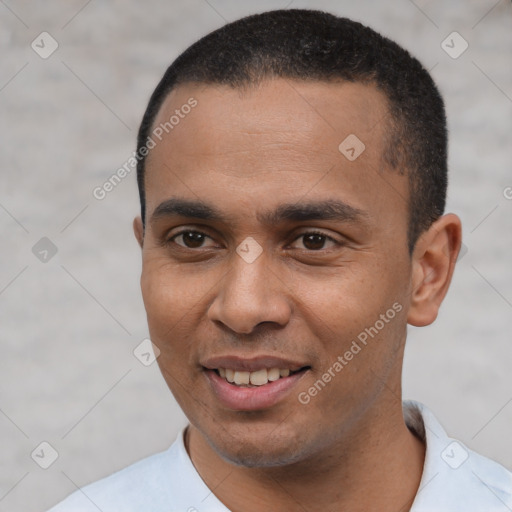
{"x": 250, "y": 450}
{"x": 252, "y": 457}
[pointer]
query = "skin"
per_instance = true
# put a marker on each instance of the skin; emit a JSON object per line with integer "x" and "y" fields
{"x": 245, "y": 153}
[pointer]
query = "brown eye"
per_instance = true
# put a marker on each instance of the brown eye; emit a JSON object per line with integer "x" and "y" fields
{"x": 189, "y": 239}
{"x": 315, "y": 241}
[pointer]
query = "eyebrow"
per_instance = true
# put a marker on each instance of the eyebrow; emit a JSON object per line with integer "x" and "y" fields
{"x": 329, "y": 209}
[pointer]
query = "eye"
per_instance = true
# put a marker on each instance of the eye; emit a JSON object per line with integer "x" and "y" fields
{"x": 315, "y": 240}
{"x": 189, "y": 239}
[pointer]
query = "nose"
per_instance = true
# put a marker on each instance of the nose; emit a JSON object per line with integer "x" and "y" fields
{"x": 250, "y": 294}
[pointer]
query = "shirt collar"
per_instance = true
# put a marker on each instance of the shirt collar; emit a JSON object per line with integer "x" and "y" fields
{"x": 455, "y": 479}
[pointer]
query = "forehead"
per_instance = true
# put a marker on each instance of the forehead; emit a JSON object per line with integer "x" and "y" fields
{"x": 282, "y": 139}
{"x": 276, "y": 108}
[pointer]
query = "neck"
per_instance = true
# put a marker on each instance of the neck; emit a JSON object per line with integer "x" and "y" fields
{"x": 378, "y": 464}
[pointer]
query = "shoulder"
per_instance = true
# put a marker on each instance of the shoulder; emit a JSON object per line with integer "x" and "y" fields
{"x": 455, "y": 478}
{"x": 494, "y": 479}
{"x": 140, "y": 486}
{"x": 466, "y": 481}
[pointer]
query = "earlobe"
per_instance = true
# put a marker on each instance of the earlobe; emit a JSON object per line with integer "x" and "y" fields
{"x": 138, "y": 230}
{"x": 434, "y": 258}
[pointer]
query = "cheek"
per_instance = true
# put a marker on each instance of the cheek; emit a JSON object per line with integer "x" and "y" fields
{"x": 361, "y": 331}
{"x": 345, "y": 300}
{"x": 357, "y": 312}
{"x": 171, "y": 298}
{"x": 168, "y": 290}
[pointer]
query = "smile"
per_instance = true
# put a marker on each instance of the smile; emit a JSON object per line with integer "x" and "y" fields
{"x": 240, "y": 390}
{"x": 252, "y": 379}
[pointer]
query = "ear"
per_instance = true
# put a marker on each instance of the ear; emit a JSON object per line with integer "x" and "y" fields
{"x": 433, "y": 263}
{"x": 138, "y": 230}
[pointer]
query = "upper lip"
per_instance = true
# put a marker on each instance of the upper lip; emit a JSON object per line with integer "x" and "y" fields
{"x": 251, "y": 364}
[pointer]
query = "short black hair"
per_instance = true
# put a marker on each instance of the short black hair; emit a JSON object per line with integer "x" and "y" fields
{"x": 311, "y": 45}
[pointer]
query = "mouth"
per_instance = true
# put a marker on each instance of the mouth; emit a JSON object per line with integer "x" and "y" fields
{"x": 253, "y": 385}
{"x": 256, "y": 378}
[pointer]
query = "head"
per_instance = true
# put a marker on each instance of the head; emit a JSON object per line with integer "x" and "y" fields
{"x": 292, "y": 176}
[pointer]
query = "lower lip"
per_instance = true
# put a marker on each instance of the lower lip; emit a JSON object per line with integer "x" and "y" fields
{"x": 255, "y": 398}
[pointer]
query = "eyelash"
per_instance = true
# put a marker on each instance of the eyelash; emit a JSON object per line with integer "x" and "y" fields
{"x": 170, "y": 240}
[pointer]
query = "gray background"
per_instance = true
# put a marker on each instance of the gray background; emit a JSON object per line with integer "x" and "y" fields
{"x": 69, "y": 326}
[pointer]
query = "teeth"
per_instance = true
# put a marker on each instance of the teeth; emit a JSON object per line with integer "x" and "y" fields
{"x": 273, "y": 374}
{"x": 242, "y": 378}
{"x": 257, "y": 378}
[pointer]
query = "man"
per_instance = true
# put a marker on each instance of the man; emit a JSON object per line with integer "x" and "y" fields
{"x": 292, "y": 176}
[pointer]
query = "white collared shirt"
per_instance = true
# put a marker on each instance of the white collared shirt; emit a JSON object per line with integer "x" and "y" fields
{"x": 455, "y": 479}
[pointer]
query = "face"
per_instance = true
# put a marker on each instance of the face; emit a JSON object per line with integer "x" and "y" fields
{"x": 268, "y": 250}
